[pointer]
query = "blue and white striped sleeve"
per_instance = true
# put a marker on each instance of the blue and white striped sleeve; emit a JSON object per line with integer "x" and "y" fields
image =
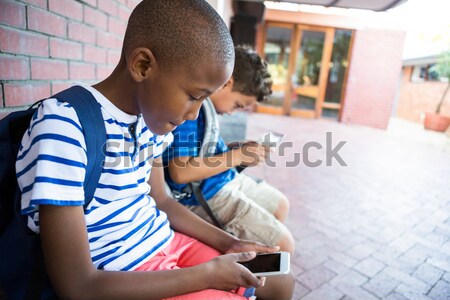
{"x": 51, "y": 162}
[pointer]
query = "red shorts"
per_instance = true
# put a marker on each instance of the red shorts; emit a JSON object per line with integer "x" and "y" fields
{"x": 185, "y": 252}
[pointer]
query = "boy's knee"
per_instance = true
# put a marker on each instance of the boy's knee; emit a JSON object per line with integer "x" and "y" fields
{"x": 287, "y": 243}
{"x": 283, "y": 209}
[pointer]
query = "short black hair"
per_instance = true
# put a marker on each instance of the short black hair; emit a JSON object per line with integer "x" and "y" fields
{"x": 179, "y": 32}
{"x": 250, "y": 73}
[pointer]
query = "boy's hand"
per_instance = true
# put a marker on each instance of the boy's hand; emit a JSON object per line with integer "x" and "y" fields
{"x": 253, "y": 153}
{"x": 246, "y": 246}
{"x": 227, "y": 274}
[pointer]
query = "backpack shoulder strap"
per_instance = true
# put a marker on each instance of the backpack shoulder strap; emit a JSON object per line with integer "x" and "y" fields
{"x": 208, "y": 148}
{"x": 211, "y": 135}
{"x": 91, "y": 119}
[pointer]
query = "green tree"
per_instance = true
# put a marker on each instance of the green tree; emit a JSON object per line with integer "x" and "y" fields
{"x": 443, "y": 68}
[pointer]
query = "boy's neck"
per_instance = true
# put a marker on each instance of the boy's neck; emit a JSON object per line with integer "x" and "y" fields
{"x": 120, "y": 94}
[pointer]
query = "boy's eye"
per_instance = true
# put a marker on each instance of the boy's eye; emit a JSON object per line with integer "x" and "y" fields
{"x": 192, "y": 98}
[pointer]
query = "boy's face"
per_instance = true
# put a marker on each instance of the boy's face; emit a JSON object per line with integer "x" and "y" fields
{"x": 168, "y": 98}
{"x": 226, "y": 101}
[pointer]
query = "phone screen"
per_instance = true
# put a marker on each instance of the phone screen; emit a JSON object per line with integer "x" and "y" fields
{"x": 264, "y": 263}
{"x": 271, "y": 139}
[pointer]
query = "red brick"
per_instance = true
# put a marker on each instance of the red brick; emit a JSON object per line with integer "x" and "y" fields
{"x": 68, "y": 8}
{"x": 94, "y": 54}
{"x": 13, "y": 14}
{"x": 1, "y": 98}
{"x": 111, "y": 8}
{"x": 46, "y": 22}
{"x": 124, "y": 13}
{"x": 49, "y": 69}
{"x": 365, "y": 102}
{"x": 81, "y": 32}
{"x": 113, "y": 57}
{"x": 90, "y": 2}
{"x": 108, "y": 40}
{"x": 65, "y": 49}
{"x": 18, "y": 94}
{"x": 60, "y": 86}
{"x": 22, "y": 42}
{"x": 132, "y": 3}
{"x": 81, "y": 71}
{"x": 104, "y": 71}
{"x": 117, "y": 26}
{"x": 40, "y": 3}
{"x": 95, "y": 18}
{"x": 14, "y": 68}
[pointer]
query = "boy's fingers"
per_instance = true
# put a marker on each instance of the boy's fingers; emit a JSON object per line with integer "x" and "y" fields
{"x": 245, "y": 256}
{"x": 268, "y": 249}
{"x": 262, "y": 281}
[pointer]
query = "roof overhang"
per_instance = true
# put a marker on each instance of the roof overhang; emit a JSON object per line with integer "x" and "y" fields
{"x": 374, "y": 5}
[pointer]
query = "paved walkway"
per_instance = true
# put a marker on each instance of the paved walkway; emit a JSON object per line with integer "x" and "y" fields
{"x": 378, "y": 228}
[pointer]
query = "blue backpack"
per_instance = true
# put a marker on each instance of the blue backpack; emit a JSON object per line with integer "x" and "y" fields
{"x": 22, "y": 270}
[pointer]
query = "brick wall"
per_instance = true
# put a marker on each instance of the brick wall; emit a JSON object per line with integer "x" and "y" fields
{"x": 419, "y": 97}
{"x": 46, "y": 45}
{"x": 374, "y": 77}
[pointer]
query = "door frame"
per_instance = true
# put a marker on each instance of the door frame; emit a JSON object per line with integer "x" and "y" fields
{"x": 296, "y": 37}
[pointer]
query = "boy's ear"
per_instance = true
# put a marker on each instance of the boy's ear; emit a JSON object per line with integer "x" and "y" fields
{"x": 140, "y": 62}
{"x": 229, "y": 83}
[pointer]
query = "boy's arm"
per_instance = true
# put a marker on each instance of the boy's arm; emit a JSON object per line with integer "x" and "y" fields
{"x": 185, "y": 169}
{"x": 185, "y": 221}
{"x": 73, "y": 276}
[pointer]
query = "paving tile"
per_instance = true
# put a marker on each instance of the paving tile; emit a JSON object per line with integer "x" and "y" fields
{"x": 309, "y": 261}
{"x": 411, "y": 293}
{"x": 316, "y": 277}
{"x": 402, "y": 243}
{"x": 300, "y": 290}
{"x": 342, "y": 258}
{"x": 350, "y": 278}
{"x": 395, "y": 296}
{"x": 369, "y": 267}
{"x": 441, "y": 291}
{"x": 336, "y": 267}
{"x": 428, "y": 273}
{"x": 446, "y": 276}
{"x": 324, "y": 292}
{"x": 390, "y": 207}
{"x": 381, "y": 285}
{"x": 407, "y": 279}
{"x": 440, "y": 263}
{"x": 360, "y": 251}
{"x": 355, "y": 292}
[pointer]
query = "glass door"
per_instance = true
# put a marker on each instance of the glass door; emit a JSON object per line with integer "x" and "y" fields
{"x": 308, "y": 65}
{"x": 310, "y": 72}
{"x": 277, "y": 53}
{"x": 339, "y": 63}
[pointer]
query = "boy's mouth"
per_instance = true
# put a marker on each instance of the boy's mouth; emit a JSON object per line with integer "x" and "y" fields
{"x": 176, "y": 124}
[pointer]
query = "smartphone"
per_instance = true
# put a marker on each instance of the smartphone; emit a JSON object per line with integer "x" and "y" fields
{"x": 271, "y": 139}
{"x": 268, "y": 264}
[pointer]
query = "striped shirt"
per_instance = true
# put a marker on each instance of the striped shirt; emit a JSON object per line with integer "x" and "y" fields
{"x": 125, "y": 228}
{"x": 188, "y": 139}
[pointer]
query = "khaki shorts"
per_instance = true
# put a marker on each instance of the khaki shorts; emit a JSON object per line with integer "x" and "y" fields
{"x": 246, "y": 208}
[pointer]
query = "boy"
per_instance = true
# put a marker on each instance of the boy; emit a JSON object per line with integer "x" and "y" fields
{"x": 248, "y": 209}
{"x": 175, "y": 54}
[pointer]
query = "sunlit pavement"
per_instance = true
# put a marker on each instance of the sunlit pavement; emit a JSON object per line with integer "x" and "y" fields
{"x": 378, "y": 228}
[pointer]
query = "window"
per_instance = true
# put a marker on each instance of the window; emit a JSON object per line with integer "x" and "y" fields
{"x": 426, "y": 73}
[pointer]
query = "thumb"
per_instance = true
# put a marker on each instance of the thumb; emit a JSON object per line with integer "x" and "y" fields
{"x": 245, "y": 256}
